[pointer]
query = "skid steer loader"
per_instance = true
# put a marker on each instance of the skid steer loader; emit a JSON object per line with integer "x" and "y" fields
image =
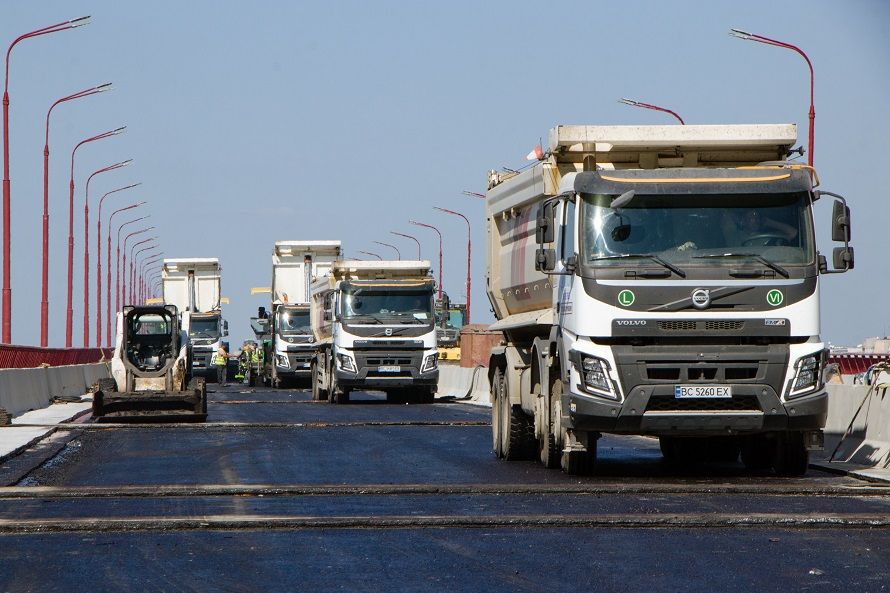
{"x": 151, "y": 370}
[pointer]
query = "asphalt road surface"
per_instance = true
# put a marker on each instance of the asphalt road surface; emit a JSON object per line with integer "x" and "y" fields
{"x": 278, "y": 493}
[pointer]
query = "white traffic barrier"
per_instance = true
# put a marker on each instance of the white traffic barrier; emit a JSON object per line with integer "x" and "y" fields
{"x": 31, "y": 389}
{"x": 858, "y": 426}
{"x": 463, "y": 383}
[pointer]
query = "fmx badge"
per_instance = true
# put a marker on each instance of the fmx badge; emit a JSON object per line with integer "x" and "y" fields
{"x": 626, "y": 298}
{"x": 775, "y": 297}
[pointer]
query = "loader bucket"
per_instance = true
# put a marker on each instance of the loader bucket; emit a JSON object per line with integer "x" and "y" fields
{"x": 189, "y": 405}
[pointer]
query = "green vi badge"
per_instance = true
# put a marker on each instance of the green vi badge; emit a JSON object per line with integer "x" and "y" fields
{"x": 626, "y": 298}
{"x": 775, "y": 297}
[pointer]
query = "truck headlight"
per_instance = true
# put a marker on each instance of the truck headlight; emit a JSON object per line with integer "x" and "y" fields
{"x": 594, "y": 373}
{"x": 430, "y": 363}
{"x": 282, "y": 361}
{"x": 345, "y": 362}
{"x": 808, "y": 376}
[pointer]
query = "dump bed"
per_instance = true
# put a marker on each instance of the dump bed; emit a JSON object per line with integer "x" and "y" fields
{"x": 206, "y": 273}
{"x": 513, "y": 200}
{"x": 295, "y": 264}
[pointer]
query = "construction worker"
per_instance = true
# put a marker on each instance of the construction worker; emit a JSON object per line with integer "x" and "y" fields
{"x": 219, "y": 361}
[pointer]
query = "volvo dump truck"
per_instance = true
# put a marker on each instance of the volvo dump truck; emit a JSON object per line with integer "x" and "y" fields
{"x": 150, "y": 370}
{"x": 295, "y": 265}
{"x": 662, "y": 281}
{"x": 374, "y": 322}
{"x": 193, "y": 286}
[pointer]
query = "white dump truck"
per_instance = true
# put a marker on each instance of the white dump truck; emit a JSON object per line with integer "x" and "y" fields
{"x": 374, "y": 322}
{"x": 193, "y": 285}
{"x": 295, "y": 265}
{"x": 662, "y": 281}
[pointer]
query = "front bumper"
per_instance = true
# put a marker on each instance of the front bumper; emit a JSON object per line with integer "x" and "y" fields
{"x": 653, "y": 410}
{"x": 369, "y": 375}
{"x": 298, "y": 363}
{"x": 202, "y": 362}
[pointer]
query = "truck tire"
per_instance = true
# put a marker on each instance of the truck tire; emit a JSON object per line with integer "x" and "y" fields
{"x": 549, "y": 445}
{"x": 579, "y": 463}
{"x": 758, "y": 452}
{"x": 791, "y": 455}
{"x": 497, "y": 410}
{"x": 318, "y": 394}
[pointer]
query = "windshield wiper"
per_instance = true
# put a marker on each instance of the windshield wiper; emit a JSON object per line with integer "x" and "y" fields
{"x": 651, "y": 256}
{"x": 367, "y": 315}
{"x": 771, "y": 265}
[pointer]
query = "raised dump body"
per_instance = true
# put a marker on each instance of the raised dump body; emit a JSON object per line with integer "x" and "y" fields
{"x": 194, "y": 285}
{"x": 659, "y": 280}
{"x": 374, "y": 323}
{"x": 295, "y": 265}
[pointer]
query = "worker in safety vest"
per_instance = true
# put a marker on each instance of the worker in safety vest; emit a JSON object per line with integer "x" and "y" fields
{"x": 219, "y": 361}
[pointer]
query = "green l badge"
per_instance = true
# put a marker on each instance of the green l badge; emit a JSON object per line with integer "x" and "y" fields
{"x": 775, "y": 297}
{"x": 626, "y": 298}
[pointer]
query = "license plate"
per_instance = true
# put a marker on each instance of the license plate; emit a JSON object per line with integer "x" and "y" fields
{"x": 702, "y": 391}
{"x": 389, "y": 369}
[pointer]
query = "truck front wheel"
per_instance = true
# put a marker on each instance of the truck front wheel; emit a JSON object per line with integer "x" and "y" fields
{"x": 791, "y": 456}
{"x": 550, "y": 443}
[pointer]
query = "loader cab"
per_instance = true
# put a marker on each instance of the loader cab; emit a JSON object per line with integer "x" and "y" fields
{"x": 151, "y": 337}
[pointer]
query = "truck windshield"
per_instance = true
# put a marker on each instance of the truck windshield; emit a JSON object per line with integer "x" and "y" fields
{"x": 697, "y": 230}
{"x": 293, "y": 322}
{"x": 204, "y": 328}
{"x": 376, "y": 303}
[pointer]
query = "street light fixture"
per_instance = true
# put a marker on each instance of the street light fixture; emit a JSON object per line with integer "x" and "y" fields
{"x": 398, "y": 253}
{"x": 122, "y": 270}
{"x": 438, "y": 232}
{"x": 7, "y": 285}
{"x": 633, "y": 103}
{"x": 86, "y": 250}
{"x": 69, "y": 313}
{"x": 108, "y": 273}
{"x": 371, "y": 254}
{"x": 469, "y": 250}
{"x": 131, "y": 273}
{"x": 99, "y": 261}
{"x": 44, "y": 278}
{"x": 134, "y": 267}
{"x": 473, "y": 194}
{"x": 767, "y": 41}
{"x": 412, "y": 237}
{"x": 136, "y": 280}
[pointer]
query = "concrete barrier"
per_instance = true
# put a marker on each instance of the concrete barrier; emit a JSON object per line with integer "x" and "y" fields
{"x": 858, "y": 426}
{"x": 464, "y": 383}
{"x": 31, "y": 389}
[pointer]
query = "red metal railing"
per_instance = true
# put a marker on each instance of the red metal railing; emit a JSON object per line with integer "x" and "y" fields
{"x": 25, "y": 357}
{"x": 855, "y": 363}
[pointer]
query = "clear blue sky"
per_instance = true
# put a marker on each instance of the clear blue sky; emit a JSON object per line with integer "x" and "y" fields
{"x": 256, "y": 122}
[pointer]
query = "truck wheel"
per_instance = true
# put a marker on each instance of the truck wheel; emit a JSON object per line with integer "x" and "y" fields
{"x": 758, "y": 452}
{"x": 791, "y": 455}
{"x": 550, "y": 445}
{"x": 579, "y": 463}
{"x": 497, "y": 410}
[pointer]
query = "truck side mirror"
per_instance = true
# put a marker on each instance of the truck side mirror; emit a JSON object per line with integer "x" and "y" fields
{"x": 840, "y": 222}
{"x": 842, "y": 258}
{"x": 545, "y": 260}
{"x": 225, "y": 328}
{"x": 544, "y": 231}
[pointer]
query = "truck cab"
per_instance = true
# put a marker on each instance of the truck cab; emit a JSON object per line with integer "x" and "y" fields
{"x": 206, "y": 332}
{"x": 376, "y": 328}
{"x": 294, "y": 344}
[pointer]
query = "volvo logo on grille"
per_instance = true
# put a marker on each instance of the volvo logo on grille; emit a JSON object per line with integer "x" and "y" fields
{"x": 701, "y": 298}
{"x": 388, "y": 331}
